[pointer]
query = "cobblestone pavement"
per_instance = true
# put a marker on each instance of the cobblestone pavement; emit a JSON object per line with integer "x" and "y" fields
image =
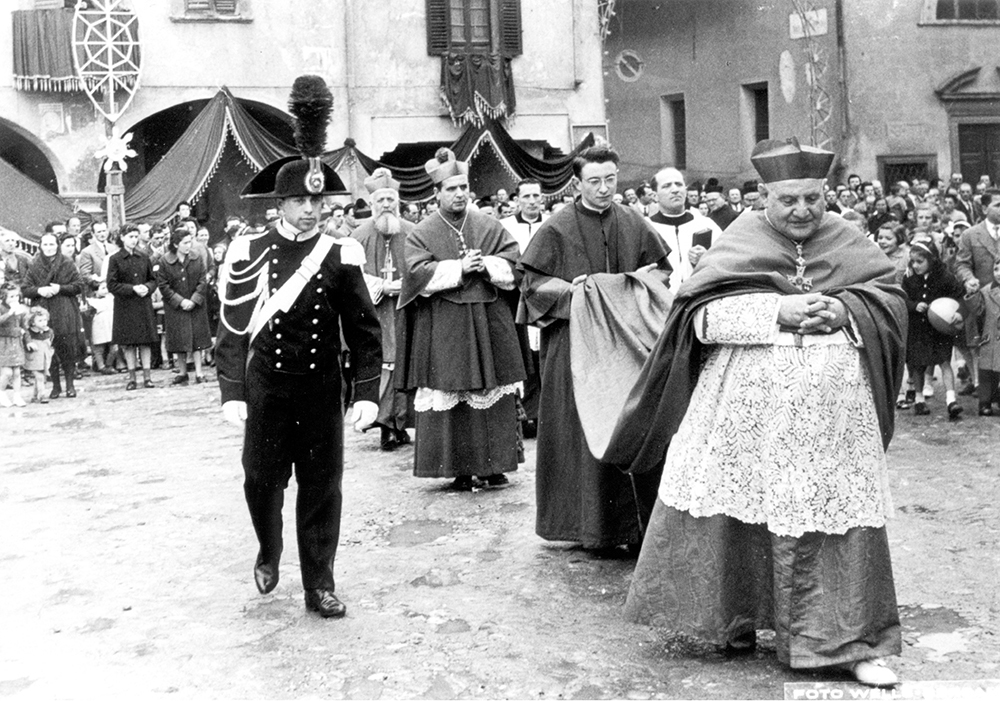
{"x": 127, "y": 554}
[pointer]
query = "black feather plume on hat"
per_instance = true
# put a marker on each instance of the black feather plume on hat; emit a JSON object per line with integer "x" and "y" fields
{"x": 311, "y": 103}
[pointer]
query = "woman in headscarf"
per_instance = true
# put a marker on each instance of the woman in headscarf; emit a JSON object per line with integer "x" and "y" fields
{"x": 182, "y": 279}
{"x": 54, "y": 283}
{"x": 131, "y": 281}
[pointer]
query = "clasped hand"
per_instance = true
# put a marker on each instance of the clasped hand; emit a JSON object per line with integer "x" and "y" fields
{"x": 472, "y": 262}
{"x": 812, "y": 313}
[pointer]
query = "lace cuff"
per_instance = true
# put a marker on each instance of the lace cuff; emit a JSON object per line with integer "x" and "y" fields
{"x": 428, "y": 399}
{"x": 447, "y": 275}
{"x": 500, "y": 272}
{"x": 740, "y": 320}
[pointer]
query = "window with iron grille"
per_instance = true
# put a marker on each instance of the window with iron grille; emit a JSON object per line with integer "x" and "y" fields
{"x": 474, "y": 26}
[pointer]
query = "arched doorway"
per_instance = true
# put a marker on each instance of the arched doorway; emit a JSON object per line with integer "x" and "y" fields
{"x": 154, "y": 136}
{"x": 20, "y": 151}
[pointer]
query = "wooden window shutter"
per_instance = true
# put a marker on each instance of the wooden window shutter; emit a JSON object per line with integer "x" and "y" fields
{"x": 225, "y": 7}
{"x": 438, "y": 27}
{"x": 510, "y": 28}
{"x": 198, "y": 5}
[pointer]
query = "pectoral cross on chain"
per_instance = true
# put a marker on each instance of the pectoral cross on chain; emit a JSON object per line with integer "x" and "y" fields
{"x": 388, "y": 268}
{"x": 799, "y": 279}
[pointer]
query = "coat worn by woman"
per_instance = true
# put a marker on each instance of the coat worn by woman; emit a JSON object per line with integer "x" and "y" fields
{"x": 181, "y": 280}
{"x": 134, "y": 320}
{"x": 63, "y": 307}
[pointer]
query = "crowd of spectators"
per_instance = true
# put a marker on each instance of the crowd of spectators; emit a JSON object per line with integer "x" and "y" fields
{"x": 90, "y": 301}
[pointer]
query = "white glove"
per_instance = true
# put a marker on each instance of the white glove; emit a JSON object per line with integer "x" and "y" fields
{"x": 235, "y": 412}
{"x": 364, "y": 415}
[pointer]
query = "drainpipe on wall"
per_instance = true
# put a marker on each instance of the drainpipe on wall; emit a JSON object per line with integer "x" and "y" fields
{"x": 349, "y": 66}
{"x": 842, "y": 78}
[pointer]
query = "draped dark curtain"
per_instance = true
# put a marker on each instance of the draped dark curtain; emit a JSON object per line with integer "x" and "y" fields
{"x": 477, "y": 87}
{"x": 43, "y": 51}
{"x": 26, "y": 207}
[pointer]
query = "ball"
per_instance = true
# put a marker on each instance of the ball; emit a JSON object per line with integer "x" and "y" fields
{"x": 945, "y": 317}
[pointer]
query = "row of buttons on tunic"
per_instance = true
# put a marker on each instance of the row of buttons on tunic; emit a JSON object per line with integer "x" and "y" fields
{"x": 277, "y": 320}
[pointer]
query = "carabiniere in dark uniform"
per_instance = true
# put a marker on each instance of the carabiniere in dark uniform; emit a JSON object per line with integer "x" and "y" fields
{"x": 283, "y": 360}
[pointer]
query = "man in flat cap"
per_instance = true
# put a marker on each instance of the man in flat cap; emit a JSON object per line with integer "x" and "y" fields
{"x": 458, "y": 350}
{"x": 383, "y": 236}
{"x": 768, "y": 402}
{"x": 285, "y": 296}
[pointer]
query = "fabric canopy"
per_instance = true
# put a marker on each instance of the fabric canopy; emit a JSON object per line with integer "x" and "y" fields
{"x": 554, "y": 175}
{"x": 186, "y": 169}
{"x": 43, "y": 51}
{"x": 26, "y": 207}
{"x": 182, "y": 174}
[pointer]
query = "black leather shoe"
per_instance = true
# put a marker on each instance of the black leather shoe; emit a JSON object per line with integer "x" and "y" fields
{"x": 954, "y": 411}
{"x": 497, "y": 480}
{"x": 325, "y": 603}
{"x": 402, "y": 437}
{"x": 462, "y": 484}
{"x": 389, "y": 442}
{"x": 986, "y": 410}
{"x": 265, "y": 576}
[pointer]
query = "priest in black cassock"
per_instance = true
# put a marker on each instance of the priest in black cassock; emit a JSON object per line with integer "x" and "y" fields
{"x": 579, "y": 499}
{"x": 457, "y": 347}
{"x": 383, "y": 236}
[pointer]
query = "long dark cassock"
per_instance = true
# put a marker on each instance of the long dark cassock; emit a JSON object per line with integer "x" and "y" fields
{"x": 772, "y": 505}
{"x": 458, "y": 350}
{"x": 384, "y": 259}
{"x": 290, "y": 379}
{"x": 579, "y": 499}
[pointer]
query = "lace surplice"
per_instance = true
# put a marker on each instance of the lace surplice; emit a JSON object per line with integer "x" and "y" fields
{"x": 776, "y": 433}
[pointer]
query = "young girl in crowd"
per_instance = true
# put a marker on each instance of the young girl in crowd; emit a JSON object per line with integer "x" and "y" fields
{"x": 101, "y": 301}
{"x": 926, "y": 346}
{"x": 891, "y": 238}
{"x": 985, "y": 306}
{"x": 11, "y": 346}
{"x": 38, "y": 350}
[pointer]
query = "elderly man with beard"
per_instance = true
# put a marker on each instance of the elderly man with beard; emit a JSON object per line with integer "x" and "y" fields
{"x": 383, "y": 236}
{"x": 459, "y": 350}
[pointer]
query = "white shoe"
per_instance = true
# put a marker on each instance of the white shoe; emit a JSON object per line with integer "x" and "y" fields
{"x": 19, "y": 400}
{"x": 872, "y": 673}
{"x": 4, "y": 400}
{"x": 928, "y": 390}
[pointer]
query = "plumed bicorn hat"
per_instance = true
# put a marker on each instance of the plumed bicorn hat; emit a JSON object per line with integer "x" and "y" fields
{"x": 381, "y": 179}
{"x": 444, "y": 165}
{"x": 361, "y": 209}
{"x": 305, "y": 175}
{"x": 789, "y": 160}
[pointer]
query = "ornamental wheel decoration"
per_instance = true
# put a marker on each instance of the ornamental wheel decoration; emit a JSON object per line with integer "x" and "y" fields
{"x": 106, "y": 54}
